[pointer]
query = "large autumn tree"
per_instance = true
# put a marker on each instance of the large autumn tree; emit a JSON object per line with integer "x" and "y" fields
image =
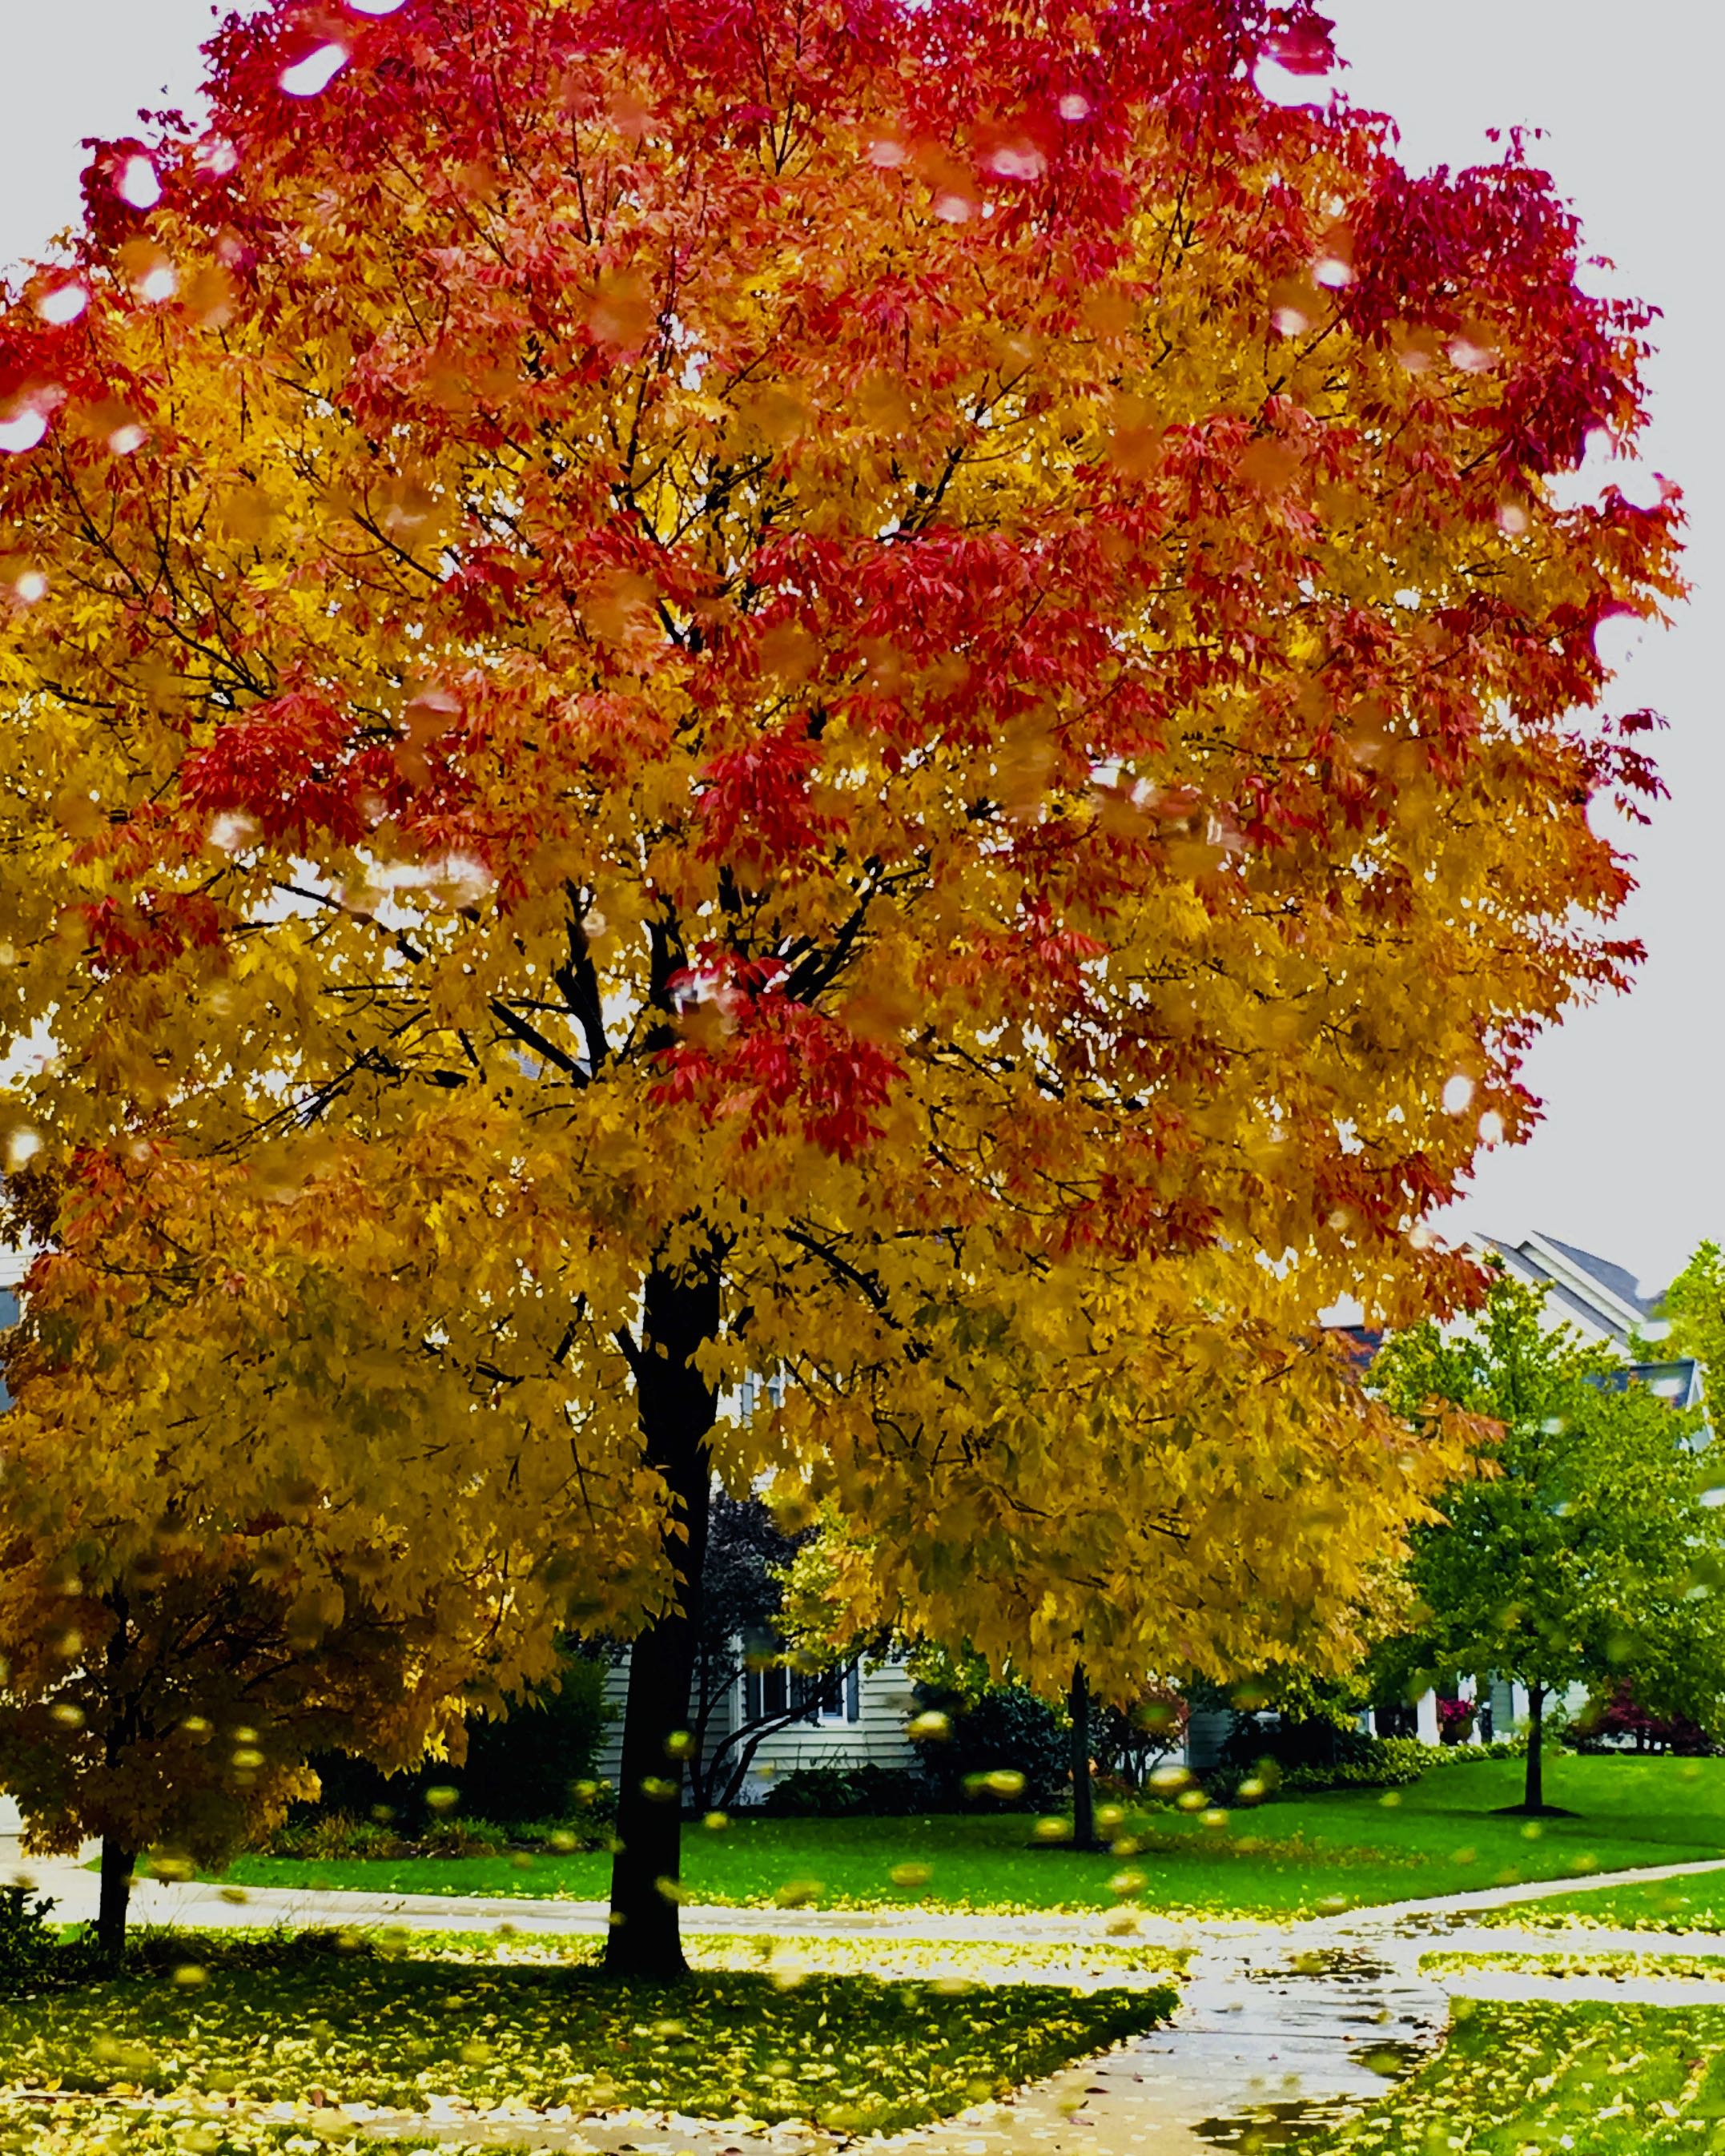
{"x": 890, "y": 694}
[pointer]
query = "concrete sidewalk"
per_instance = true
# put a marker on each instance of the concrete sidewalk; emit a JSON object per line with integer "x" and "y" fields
{"x": 206, "y": 1904}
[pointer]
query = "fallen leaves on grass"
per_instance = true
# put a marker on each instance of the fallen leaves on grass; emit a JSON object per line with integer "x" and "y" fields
{"x": 1527, "y": 2078}
{"x": 853, "y": 2052}
{"x": 1626, "y": 1967}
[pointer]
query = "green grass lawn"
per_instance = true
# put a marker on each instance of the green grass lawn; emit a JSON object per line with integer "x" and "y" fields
{"x": 1522, "y": 2080}
{"x": 1284, "y": 1859}
{"x": 272, "y": 2021}
{"x": 1696, "y": 1904}
{"x": 1688, "y": 1968}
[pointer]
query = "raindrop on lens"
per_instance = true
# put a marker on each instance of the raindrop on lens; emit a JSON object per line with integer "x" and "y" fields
{"x": 316, "y": 72}
{"x": 137, "y": 183}
{"x": 23, "y": 433}
{"x": 64, "y": 304}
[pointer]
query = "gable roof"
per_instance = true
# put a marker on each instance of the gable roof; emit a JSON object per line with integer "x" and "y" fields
{"x": 1603, "y": 1299}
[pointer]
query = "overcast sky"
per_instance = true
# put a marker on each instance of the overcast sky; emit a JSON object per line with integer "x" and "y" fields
{"x": 1630, "y": 1161}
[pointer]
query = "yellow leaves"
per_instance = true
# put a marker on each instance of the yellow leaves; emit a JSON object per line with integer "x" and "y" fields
{"x": 247, "y": 514}
{"x": 882, "y": 402}
{"x": 776, "y": 413}
{"x": 885, "y": 1011}
{"x": 79, "y": 815}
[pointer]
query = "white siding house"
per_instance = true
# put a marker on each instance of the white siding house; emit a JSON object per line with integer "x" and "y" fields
{"x": 860, "y": 1721}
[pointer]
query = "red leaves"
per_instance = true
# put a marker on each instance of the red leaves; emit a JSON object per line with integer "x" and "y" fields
{"x": 783, "y": 1066}
{"x": 756, "y": 808}
{"x": 1301, "y": 43}
{"x": 149, "y": 934}
{"x": 288, "y": 763}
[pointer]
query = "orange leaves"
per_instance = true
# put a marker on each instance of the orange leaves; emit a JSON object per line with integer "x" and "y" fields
{"x": 776, "y": 414}
{"x": 247, "y": 514}
{"x": 1296, "y": 305}
{"x": 149, "y": 271}
{"x": 1269, "y": 464}
{"x": 883, "y": 403}
{"x": 1135, "y": 439}
{"x": 1110, "y": 313}
{"x": 622, "y": 313}
{"x": 788, "y": 653}
{"x": 620, "y": 604}
{"x": 112, "y": 424}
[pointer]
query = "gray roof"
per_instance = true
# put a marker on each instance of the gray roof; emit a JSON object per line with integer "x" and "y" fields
{"x": 1622, "y": 1284}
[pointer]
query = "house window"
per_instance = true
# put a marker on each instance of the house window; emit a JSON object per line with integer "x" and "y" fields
{"x": 817, "y": 1696}
{"x": 757, "y": 1392}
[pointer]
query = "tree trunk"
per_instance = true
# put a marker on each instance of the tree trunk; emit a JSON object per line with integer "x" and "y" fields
{"x": 117, "y": 1867}
{"x": 1084, "y": 1808}
{"x": 1533, "y": 1795}
{"x": 677, "y": 1410}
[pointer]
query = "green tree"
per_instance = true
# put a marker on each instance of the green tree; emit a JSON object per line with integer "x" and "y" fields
{"x": 1580, "y": 1547}
{"x": 1695, "y": 1304}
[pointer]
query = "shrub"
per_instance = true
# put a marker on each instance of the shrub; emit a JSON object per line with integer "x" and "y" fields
{"x": 868, "y": 1790}
{"x": 1290, "y": 1759}
{"x": 1615, "y": 1720}
{"x": 1004, "y": 1730}
{"x": 1456, "y": 1720}
{"x": 464, "y": 1837}
{"x": 29, "y": 1942}
{"x": 1386, "y": 1763}
{"x": 1127, "y": 1743}
{"x": 523, "y": 1769}
{"x": 1315, "y": 1744}
{"x": 591, "y": 1826}
{"x": 333, "y": 1835}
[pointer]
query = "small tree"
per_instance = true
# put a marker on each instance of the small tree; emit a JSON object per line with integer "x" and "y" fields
{"x": 174, "y": 1702}
{"x": 1130, "y": 1741}
{"x": 188, "y": 1613}
{"x": 1580, "y": 1549}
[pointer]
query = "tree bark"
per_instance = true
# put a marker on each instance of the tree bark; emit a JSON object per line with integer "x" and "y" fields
{"x": 1084, "y": 1808}
{"x": 677, "y": 1409}
{"x": 118, "y": 1865}
{"x": 1533, "y": 1792}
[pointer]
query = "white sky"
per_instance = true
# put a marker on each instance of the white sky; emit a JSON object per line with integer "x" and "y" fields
{"x": 1630, "y": 1161}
